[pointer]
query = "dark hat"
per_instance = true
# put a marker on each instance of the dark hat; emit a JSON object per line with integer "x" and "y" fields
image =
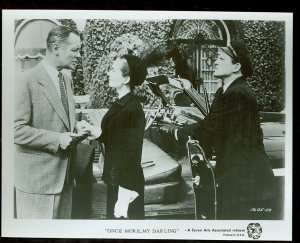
{"x": 137, "y": 70}
{"x": 238, "y": 51}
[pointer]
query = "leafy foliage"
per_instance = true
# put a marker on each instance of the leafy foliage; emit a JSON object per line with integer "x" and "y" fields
{"x": 69, "y": 23}
{"x": 266, "y": 43}
{"x": 105, "y": 39}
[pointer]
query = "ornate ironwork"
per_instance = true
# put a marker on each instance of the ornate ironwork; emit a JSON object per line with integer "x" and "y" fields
{"x": 196, "y": 42}
{"x": 211, "y": 52}
{"x": 192, "y": 29}
{"x": 191, "y": 35}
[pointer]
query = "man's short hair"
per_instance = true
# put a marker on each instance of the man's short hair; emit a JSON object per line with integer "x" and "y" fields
{"x": 59, "y": 35}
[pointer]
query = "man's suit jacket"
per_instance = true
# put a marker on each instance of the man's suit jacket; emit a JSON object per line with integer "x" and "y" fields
{"x": 232, "y": 128}
{"x": 122, "y": 134}
{"x": 40, "y": 165}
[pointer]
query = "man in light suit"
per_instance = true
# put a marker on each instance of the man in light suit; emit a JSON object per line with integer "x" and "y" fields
{"x": 43, "y": 125}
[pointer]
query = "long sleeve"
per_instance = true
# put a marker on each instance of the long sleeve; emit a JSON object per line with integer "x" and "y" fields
{"x": 231, "y": 114}
{"x": 122, "y": 134}
{"x": 131, "y": 154}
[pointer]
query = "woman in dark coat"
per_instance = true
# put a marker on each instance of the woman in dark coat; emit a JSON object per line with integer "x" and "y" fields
{"x": 244, "y": 177}
{"x": 122, "y": 135}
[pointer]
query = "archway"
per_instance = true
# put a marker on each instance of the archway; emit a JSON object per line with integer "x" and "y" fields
{"x": 30, "y": 42}
{"x": 196, "y": 42}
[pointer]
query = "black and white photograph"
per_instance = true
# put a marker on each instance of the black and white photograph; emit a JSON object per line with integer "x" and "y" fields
{"x": 147, "y": 125}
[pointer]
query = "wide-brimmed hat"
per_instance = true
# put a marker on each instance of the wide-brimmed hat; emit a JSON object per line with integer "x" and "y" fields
{"x": 238, "y": 51}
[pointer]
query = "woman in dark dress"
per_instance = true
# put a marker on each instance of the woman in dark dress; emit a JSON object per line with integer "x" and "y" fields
{"x": 122, "y": 135}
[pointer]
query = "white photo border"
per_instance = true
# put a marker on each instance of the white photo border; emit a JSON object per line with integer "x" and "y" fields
{"x": 147, "y": 229}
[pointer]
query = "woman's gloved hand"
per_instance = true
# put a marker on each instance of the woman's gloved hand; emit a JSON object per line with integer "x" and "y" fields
{"x": 125, "y": 197}
{"x": 83, "y": 128}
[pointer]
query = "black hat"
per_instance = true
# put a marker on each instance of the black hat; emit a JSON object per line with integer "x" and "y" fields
{"x": 238, "y": 51}
{"x": 137, "y": 70}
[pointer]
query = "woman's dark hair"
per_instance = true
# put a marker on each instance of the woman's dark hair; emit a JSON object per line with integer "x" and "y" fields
{"x": 135, "y": 69}
{"x": 58, "y": 35}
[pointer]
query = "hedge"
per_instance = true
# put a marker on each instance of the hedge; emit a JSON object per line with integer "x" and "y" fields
{"x": 266, "y": 43}
{"x": 265, "y": 40}
{"x": 98, "y": 42}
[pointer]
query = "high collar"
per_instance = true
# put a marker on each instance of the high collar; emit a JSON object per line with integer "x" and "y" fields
{"x": 235, "y": 82}
{"x": 226, "y": 83}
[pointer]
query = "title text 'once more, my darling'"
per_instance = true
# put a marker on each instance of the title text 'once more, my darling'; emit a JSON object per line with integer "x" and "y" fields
{"x": 143, "y": 231}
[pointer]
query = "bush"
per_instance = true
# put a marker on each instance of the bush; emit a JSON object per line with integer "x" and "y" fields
{"x": 265, "y": 40}
{"x": 266, "y": 43}
{"x": 101, "y": 43}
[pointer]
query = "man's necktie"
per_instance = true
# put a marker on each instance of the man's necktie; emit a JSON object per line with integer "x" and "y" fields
{"x": 63, "y": 94}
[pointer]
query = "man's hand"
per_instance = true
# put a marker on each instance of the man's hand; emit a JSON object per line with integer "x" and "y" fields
{"x": 85, "y": 128}
{"x": 185, "y": 83}
{"x": 196, "y": 180}
{"x": 65, "y": 139}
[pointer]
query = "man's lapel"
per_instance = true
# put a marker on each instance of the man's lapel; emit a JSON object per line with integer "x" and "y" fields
{"x": 51, "y": 93}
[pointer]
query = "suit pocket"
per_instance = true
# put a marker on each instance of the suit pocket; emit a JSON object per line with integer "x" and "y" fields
{"x": 23, "y": 149}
